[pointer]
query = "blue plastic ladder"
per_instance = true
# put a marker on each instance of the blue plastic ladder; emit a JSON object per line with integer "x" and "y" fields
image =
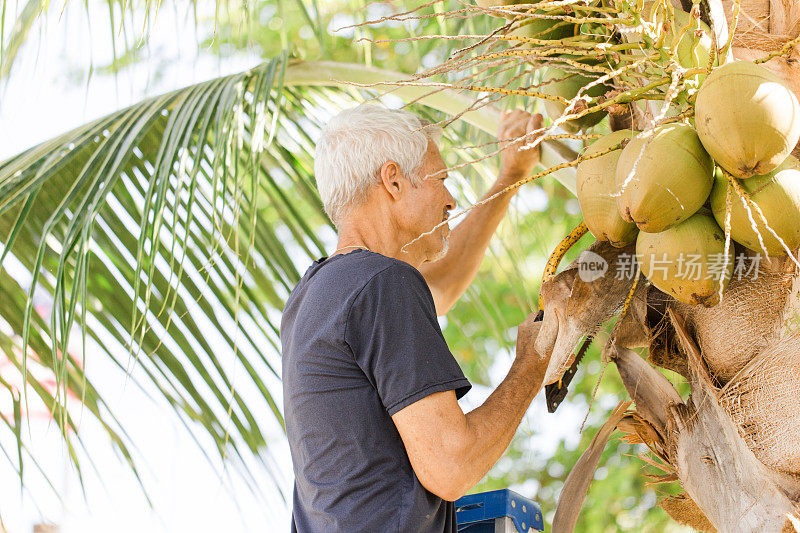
{"x": 498, "y": 511}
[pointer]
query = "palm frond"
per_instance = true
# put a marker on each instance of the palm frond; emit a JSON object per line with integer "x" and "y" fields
{"x": 130, "y": 23}
{"x": 137, "y": 227}
{"x": 18, "y": 34}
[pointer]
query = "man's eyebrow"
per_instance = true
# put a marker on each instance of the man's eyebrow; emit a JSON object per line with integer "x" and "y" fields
{"x": 437, "y": 173}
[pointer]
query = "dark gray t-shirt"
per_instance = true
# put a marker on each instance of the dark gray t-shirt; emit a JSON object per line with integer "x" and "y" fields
{"x": 360, "y": 342}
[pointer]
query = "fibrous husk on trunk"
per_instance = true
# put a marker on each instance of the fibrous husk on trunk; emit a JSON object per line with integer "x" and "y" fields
{"x": 735, "y": 491}
{"x": 750, "y": 317}
{"x": 762, "y": 400}
{"x": 766, "y": 26}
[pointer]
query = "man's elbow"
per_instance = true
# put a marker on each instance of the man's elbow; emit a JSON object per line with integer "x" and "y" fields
{"x": 441, "y": 310}
{"x": 443, "y": 304}
{"x": 451, "y": 476}
{"x": 445, "y": 486}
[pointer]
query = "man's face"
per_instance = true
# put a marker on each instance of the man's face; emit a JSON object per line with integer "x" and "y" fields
{"x": 427, "y": 205}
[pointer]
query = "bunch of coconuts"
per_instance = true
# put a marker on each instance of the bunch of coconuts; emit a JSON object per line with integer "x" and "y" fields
{"x": 671, "y": 188}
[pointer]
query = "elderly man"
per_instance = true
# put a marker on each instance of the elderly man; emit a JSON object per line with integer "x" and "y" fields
{"x": 378, "y": 440}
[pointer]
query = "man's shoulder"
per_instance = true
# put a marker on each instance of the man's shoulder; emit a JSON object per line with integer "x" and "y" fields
{"x": 361, "y": 268}
{"x": 339, "y": 279}
{"x": 392, "y": 288}
{"x": 388, "y": 278}
{"x": 382, "y": 269}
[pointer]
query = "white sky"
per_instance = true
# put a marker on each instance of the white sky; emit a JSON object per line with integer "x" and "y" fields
{"x": 40, "y": 101}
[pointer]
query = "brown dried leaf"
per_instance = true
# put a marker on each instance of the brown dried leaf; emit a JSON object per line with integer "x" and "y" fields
{"x": 577, "y": 483}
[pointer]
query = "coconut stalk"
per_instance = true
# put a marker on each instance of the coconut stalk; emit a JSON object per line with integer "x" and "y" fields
{"x": 575, "y": 308}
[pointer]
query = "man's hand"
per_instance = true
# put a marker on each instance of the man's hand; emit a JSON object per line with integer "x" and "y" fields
{"x": 516, "y": 163}
{"x": 527, "y": 356}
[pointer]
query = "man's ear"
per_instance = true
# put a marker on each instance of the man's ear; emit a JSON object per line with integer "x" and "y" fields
{"x": 392, "y": 179}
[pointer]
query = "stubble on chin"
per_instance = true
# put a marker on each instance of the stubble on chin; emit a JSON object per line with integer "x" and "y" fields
{"x": 443, "y": 251}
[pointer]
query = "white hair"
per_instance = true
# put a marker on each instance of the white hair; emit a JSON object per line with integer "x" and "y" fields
{"x": 354, "y": 146}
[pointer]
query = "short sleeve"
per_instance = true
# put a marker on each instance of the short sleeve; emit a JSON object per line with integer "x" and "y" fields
{"x": 396, "y": 339}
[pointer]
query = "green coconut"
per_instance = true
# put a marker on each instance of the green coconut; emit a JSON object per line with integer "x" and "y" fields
{"x": 747, "y": 118}
{"x": 595, "y": 184}
{"x": 688, "y": 260}
{"x": 688, "y": 36}
{"x": 496, "y": 3}
{"x": 672, "y": 178}
{"x": 694, "y": 47}
{"x": 550, "y": 29}
{"x": 556, "y": 82}
{"x": 536, "y": 28}
{"x": 595, "y": 31}
{"x": 777, "y": 195}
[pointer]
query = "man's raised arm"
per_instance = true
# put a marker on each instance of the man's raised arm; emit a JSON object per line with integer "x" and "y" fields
{"x": 449, "y": 277}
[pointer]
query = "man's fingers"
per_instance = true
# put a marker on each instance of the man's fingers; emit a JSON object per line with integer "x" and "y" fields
{"x": 516, "y": 124}
{"x": 529, "y": 322}
{"x": 519, "y": 119}
{"x": 535, "y": 122}
{"x": 526, "y": 336}
{"x": 514, "y": 115}
{"x": 518, "y": 128}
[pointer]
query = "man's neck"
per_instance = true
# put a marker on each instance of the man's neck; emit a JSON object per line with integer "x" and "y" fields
{"x": 378, "y": 238}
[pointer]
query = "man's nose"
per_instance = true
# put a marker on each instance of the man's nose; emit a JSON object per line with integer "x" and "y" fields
{"x": 451, "y": 202}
